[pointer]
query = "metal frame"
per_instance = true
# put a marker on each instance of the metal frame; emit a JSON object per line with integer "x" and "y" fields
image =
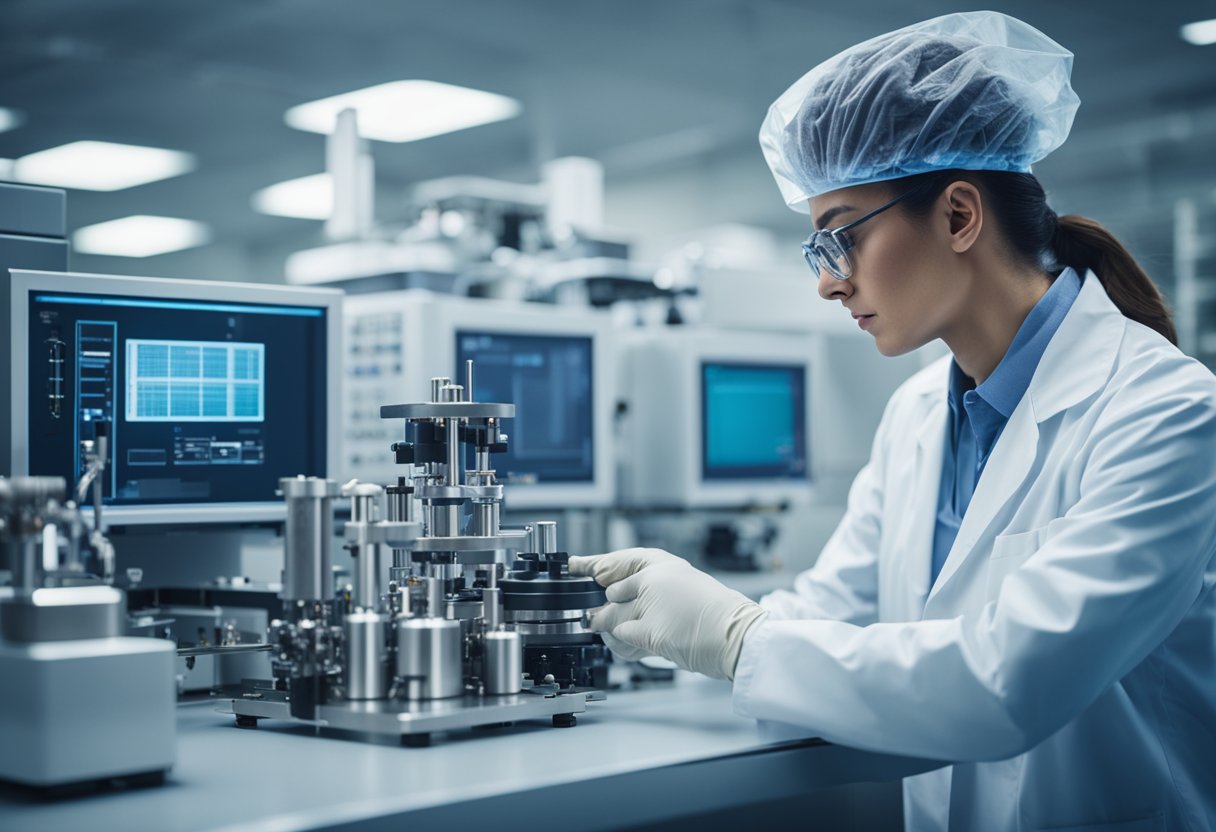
{"x": 14, "y": 430}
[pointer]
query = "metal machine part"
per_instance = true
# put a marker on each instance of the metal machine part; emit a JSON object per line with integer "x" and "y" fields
{"x": 429, "y": 658}
{"x": 442, "y": 638}
{"x": 366, "y": 653}
{"x": 502, "y": 662}
{"x": 307, "y": 563}
{"x": 112, "y": 712}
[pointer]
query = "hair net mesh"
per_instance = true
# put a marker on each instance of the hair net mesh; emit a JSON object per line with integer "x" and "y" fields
{"x": 974, "y": 91}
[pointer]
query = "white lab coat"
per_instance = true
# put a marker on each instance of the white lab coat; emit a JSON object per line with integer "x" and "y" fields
{"x": 1065, "y": 658}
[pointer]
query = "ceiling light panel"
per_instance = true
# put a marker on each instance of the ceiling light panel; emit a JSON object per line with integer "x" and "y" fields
{"x": 140, "y": 235}
{"x": 306, "y": 198}
{"x": 101, "y": 166}
{"x": 406, "y": 111}
{"x": 10, "y": 119}
{"x": 1200, "y": 33}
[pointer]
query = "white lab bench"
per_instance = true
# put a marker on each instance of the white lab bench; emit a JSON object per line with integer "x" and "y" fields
{"x": 641, "y": 757}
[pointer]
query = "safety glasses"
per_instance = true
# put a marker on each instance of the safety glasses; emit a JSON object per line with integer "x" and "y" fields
{"x": 829, "y": 247}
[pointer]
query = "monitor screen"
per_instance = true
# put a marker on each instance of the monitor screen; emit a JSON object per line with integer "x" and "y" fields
{"x": 207, "y": 402}
{"x": 753, "y": 419}
{"x": 549, "y": 380}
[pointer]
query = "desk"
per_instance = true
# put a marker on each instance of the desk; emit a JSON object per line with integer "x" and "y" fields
{"x": 642, "y": 756}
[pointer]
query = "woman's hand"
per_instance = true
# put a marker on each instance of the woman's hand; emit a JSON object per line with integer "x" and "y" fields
{"x": 659, "y": 604}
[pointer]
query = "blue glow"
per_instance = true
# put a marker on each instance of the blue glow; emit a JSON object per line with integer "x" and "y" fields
{"x": 298, "y": 311}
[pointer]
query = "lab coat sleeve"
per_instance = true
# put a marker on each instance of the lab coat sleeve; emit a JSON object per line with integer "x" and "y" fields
{"x": 1117, "y": 573}
{"x": 843, "y": 583}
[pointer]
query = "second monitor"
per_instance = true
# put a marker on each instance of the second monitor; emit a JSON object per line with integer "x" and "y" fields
{"x": 549, "y": 378}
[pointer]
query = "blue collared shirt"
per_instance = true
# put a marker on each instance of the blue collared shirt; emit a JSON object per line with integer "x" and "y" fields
{"x": 979, "y": 414}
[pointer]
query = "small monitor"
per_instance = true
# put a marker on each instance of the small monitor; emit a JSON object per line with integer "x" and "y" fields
{"x": 716, "y": 418}
{"x": 211, "y": 391}
{"x": 549, "y": 378}
{"x": 753, "y": 419}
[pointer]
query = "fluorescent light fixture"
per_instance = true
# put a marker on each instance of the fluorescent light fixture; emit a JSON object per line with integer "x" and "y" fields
{"x": 1200, "y": 33}
{"x": 101, "y": 166}
{"x": 10, "y": 119}
{"x": 306, "y": 198}
{"x": 406, "y": 111}
{"x": 140, "y": 235}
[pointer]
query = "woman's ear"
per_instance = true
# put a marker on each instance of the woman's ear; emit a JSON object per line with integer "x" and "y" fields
{"x": 965, "y": 209}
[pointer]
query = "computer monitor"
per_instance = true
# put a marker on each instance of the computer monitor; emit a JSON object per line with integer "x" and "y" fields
{"x": 549, "y": 377}
{"x": 553, "y": 363}
{"x": 753, "y": 421}
{"x": 211, "y": 391}
{"x": 716, "y": 418}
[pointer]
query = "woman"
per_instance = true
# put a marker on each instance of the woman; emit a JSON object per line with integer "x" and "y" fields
{"x": 1022, "y": 583}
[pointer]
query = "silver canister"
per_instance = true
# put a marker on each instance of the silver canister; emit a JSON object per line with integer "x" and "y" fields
{"x": 367, "y": 671}
{"x": 502, "y": 662}
{"x": 546, "y": 537}
{"x": 428, "y": 658}
{"x": 308, "y": 538}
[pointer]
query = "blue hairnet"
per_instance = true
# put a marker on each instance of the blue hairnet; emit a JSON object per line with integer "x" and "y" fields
{"x": 973, "y": 90}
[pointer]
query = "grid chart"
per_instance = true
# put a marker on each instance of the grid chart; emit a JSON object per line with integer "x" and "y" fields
{"x": 195, "y": 381}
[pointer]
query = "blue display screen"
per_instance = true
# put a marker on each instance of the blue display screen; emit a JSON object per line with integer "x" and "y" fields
{"x": 549, "y": 380}
{"x": 753, "y": 419}
{"x": 206, "y": 402}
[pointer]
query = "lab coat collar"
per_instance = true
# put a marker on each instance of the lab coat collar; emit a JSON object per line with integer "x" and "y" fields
{"x": 1079, "y": 359}
{"x": 1074, "y": 366}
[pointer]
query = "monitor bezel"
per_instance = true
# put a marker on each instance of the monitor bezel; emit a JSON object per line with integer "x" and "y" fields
{"x": 14, "y": 444}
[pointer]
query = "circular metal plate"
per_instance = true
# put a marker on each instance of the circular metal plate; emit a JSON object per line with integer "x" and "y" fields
{"x": 458, "y": 492}
{"x": 448, "y": 410}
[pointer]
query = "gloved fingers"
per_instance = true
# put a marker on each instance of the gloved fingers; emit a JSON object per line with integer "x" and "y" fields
{"x": 608, "y": 617}
{"x": 626, "y": 589}
{"x": 583, "y": 565}
{"x": 622, "y": 650}
{"x": 614, "y": 566}
{"x": 637, "y": 633}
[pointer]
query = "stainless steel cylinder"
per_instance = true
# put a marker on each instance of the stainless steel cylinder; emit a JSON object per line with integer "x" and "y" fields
{"x": 546, "y": 537}
{"x": 453, "y": 451}
{"x": 308, "y": 538}
{"x": 428, "y": 658}
{"x": 491, "y": 599}
{"x": 366, "y": 643}
{"x": 445, "y": 521}
{"x": 485, "y": 519}
{"x": 468, "y": 378}
{"x": 502, "y": 662}
{"x": 435, "y": 605}
{"x": 368, "y": 577}
{"x": 437, "y": 384}
{"x": 400, "y": 502}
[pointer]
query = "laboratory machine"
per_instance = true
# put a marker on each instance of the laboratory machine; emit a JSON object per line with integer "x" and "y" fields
{"x": 80, "y": 701}
{"x": 454, "y": 620}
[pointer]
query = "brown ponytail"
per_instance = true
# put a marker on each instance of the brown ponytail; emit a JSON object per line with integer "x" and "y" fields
{"x": 1085, "y": 244}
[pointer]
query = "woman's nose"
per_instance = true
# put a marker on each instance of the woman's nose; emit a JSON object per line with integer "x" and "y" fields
{"x": 832, "y": 288}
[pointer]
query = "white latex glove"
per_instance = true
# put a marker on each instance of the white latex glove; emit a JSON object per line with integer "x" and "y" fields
{"x": 659, "y": 604}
